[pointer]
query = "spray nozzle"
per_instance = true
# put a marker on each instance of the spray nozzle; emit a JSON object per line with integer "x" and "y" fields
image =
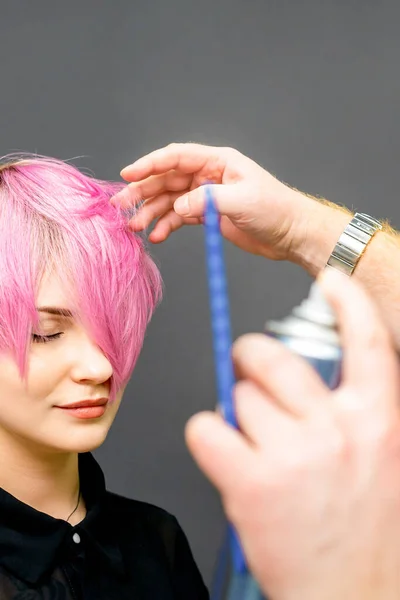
{"x": 316, "y": 308}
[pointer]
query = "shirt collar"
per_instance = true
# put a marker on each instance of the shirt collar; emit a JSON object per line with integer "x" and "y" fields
{"x": 32, "y": 543}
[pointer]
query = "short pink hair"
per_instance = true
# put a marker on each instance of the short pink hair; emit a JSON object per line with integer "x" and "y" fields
{"x": 54, "y": 217}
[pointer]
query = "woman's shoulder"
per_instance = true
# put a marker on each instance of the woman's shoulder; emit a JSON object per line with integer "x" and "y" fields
{"x": 151, "y": 527}
{"x": 139, "y": 516}
{"x": 132, "y": 509}
{"x": 154, "y": 532}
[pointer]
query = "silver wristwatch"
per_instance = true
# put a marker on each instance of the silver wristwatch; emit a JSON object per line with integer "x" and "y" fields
{"x": 352, "y": 243}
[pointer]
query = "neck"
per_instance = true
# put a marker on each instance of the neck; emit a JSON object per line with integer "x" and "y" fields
{"x": 47, "y": 481}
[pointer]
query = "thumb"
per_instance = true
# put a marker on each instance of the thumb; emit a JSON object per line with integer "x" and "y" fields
{"x": 220, "y": 451}
{"x": 228, "y": 200}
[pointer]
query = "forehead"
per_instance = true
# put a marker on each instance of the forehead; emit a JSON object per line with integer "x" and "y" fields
{"x": 51, "y": 292}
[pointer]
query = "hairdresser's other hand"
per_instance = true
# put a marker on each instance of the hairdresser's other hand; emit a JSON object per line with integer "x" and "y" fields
{"x": 312, "y": 483}
{"x": 260, "y": 214}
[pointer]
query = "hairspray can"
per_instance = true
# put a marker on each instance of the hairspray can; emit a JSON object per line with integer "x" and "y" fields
{"x": 311, "y": 331}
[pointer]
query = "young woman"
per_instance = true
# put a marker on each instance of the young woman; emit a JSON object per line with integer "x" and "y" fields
{"x": 77, "y": 290}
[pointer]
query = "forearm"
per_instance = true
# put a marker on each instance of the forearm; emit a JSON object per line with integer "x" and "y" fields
{"x": 378, "y": 268}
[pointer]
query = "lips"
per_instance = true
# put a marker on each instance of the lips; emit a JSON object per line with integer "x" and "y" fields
{"x": 89, "y": 409}
{"x": 88, "y": 403}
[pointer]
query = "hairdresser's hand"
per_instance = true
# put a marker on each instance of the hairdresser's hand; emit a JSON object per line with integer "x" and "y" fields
{"x": 260, "y": 214}
{"x": 312, "y": 483}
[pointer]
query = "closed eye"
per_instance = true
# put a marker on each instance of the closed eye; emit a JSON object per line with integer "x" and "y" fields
{"x": 44, "y": 339}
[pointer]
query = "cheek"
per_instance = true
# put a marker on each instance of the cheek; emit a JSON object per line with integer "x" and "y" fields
{"x": 113, "y": 408}
{"x": 44, "y": 374}
{"x": 42, "y": 378}
{"x": 15, "y": 400}
{"x": 11, "y": 385}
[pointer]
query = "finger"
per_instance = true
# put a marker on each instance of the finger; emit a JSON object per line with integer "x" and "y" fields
{"x": 187, "y": 158}
{"x": 369, "y": 356}
{"x": 126, "y": 198}
{"x": 167, "y": 224}
{"x": 229, "y": 200}
{"x": 286, "y": 377}
{"x": 259, "y": 418}
{"x": 150, "y": 187}
{"x": 221, "y": 452}
{"x": 152, "y": 209}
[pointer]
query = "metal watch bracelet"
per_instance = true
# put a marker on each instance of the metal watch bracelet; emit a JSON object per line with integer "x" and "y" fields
{"x": 353, "y": 242}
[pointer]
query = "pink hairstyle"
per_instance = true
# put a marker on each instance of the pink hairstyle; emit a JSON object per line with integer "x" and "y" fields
{"x": 53, "y": 217}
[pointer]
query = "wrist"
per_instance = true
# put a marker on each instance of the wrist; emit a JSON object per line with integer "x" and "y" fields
{"x": 316, "y": 235}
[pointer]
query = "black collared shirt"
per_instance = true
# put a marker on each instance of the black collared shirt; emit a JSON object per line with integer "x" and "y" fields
{"x": 123, "y": 549}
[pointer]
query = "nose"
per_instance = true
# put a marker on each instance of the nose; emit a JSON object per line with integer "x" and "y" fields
{"x": 90, "y": 363}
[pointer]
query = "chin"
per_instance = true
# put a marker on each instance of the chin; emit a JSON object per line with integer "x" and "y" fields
{"x": 83, "y": 441}
{"x": 88, "y": 446}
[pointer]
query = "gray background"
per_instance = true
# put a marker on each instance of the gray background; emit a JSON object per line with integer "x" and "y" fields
{"x": 310, "y": 89}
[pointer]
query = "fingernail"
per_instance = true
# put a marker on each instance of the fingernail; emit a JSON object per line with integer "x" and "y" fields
{"x": 181, "y": 206}
{"x": 124, "y": 171}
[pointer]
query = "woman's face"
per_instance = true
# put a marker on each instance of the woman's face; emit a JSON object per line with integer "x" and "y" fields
{"x": 65, "y": 369}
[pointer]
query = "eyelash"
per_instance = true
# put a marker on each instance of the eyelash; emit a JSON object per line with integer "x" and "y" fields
{"x": 44, "y": 339}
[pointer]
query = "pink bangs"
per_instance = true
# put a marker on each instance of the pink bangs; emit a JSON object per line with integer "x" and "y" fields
{"x": 53, "y": 217}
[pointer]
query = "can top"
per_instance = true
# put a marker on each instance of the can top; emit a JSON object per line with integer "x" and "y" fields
{"x": 313, "y": 319}
{"x": 316, "y": 308}
{"x": 293, "y": 326}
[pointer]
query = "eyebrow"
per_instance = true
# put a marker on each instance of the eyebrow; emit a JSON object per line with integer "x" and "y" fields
{"x": 54, "y": 310}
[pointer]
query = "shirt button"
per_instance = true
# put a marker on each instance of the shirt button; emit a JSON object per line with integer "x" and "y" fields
{"x": 77, "y": 538}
